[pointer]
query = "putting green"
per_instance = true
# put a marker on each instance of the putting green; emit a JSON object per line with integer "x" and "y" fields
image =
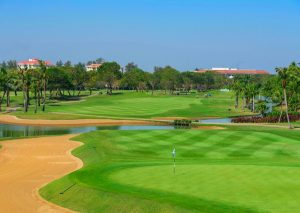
{"x": 272, "y": 188}
{"x": 238, "y": 169}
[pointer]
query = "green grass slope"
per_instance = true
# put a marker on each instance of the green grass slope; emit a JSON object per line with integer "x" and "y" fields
{"x": 142, "y": 105}
{"x": 240, "y": 169}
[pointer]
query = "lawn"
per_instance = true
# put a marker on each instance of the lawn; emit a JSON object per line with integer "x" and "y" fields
{"x": 238, "y": 169}
{"x": 142, "y": 106}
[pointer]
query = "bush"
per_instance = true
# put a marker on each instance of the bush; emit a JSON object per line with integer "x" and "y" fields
{"x": 184, "y": 123}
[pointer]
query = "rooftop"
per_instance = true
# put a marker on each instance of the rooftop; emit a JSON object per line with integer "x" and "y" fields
{"x": 33, "y": 61}
{"x": 94, "y": 65}
{"x": 233, "y": 71}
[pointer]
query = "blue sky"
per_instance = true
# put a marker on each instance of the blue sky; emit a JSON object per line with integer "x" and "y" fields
{"x": 257, "y": 34}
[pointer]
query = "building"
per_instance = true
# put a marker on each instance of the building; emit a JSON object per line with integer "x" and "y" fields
{"x": 32, "y": 63}
{"x": 230, "y": 72}
{"x": 92, "y": 67}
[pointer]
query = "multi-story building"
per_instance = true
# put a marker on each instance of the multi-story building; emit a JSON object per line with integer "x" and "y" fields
{"x": 92, "y": 67}
{"x": 32, "y": 63}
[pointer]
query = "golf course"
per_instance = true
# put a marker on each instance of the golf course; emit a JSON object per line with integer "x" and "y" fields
{"x": 216, "y": 168}
{"x": 149, "y": 106}
{"x": 237, "y": 169}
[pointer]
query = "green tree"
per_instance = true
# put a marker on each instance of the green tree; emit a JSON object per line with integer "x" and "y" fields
{"x": 168, "y": 78}
{"x": 271, "y": 88}
{"x": 12, "y": 64}
{"x": 68, "y": 64}
{"x": 134, "y": 78}
{"x": 78, "y": 77}
{"x": 130, "y": 66}
{"x": 59, "y": 79}
{"x": 283, "y": 74}
{"x": 152, "y": 80}
{"x": 59, "y": 63}
{"x": 44, "y": 79}
{"x": 253, "y": 90}
{"x": 293, "y": 86}
{"x": 186, "y": 81}
{"x": 3, "y": 80}
{"x": 25, "y": 80}
{"x": 35, "y": 86}
{"x": 109, "y": 73}
{"x": 238, "y": 89}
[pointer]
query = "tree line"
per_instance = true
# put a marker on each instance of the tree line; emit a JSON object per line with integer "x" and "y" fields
{"x": 282, "y": 88}
{"x": 65, "y": 80}
{"x": 68, "y": 80}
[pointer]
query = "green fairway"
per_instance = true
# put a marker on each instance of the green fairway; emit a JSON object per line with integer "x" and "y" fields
{"x": 143, "y": 105}
{"x": 239, "y": 169}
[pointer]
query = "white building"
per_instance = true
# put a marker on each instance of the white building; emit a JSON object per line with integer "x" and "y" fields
{"x": 92, "y": 67}
{"x": 32, "y": 63}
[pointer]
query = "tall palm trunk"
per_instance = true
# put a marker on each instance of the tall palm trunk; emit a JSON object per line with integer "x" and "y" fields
{"x": 286, "y": 109}
{"x": 25, "y": 94}
{"x": 39, "y": 96}
{"x": 2, "y": 100}
{"x": 44, "y": 98}
{"x": 7, "y": 97}
{"x": 36, "y": 100}
{"x": 253, "y": 103}
{"x": 281, "y": 112}
{"x": 237, "y": 101}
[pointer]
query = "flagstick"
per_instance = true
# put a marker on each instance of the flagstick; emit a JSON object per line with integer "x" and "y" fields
{"x": 174, "y": 166}
{"x": 174, "y": 162}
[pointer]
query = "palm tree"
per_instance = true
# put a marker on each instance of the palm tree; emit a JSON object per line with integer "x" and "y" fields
{"x": 12, "y": 79}
{"x": 238, "y": 90}
{"x": 43, "y": 70}
{"x": 35, "y": 76}
{"x": 294, "y": 86}
{"x": 3, "y": 79}
{"x": 253, "y": 91}
{"x": 283, "y": 74}
{"x": 25, "y": 79}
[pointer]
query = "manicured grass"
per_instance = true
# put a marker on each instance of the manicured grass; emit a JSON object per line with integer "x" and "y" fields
{"x": 130, "y": 104}
{"x": 239, "y": 169}
{"x": 50, "y": 116}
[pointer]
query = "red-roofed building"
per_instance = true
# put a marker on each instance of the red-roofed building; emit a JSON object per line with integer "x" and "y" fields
{"x": 92, "y": 67}
{"x": 232, "y": 71}
{"x": 32, "y": 63}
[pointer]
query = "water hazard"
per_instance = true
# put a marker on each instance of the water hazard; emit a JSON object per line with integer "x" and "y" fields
{"x": 216, "y": 121}
{"x": 13, "y": 131}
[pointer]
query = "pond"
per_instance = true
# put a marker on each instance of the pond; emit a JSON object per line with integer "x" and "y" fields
{"x": 216, "y": 121}
{"x": 9, "y": 130}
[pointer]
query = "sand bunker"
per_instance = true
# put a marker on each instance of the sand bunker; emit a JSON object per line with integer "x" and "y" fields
{"x": 27, "y": 165}
{"x": 8, "y": 119}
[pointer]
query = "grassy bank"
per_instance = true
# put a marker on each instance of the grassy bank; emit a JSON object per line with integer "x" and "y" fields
{"x": 239, "y": 169}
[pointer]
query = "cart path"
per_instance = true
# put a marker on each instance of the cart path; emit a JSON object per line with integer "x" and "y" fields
{"x": 26, "y": 165}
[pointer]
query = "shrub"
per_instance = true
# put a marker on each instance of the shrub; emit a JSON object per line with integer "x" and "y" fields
{"x": 183, "y": 122}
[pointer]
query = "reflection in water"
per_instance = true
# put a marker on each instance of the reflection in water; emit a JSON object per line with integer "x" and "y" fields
{"x": 7, "y": 130}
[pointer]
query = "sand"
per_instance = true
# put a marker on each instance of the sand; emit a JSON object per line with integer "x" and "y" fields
{"x": 9, "y": 119}
{"x": 26, "y": 165}
{"x": 209, "y": 127}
